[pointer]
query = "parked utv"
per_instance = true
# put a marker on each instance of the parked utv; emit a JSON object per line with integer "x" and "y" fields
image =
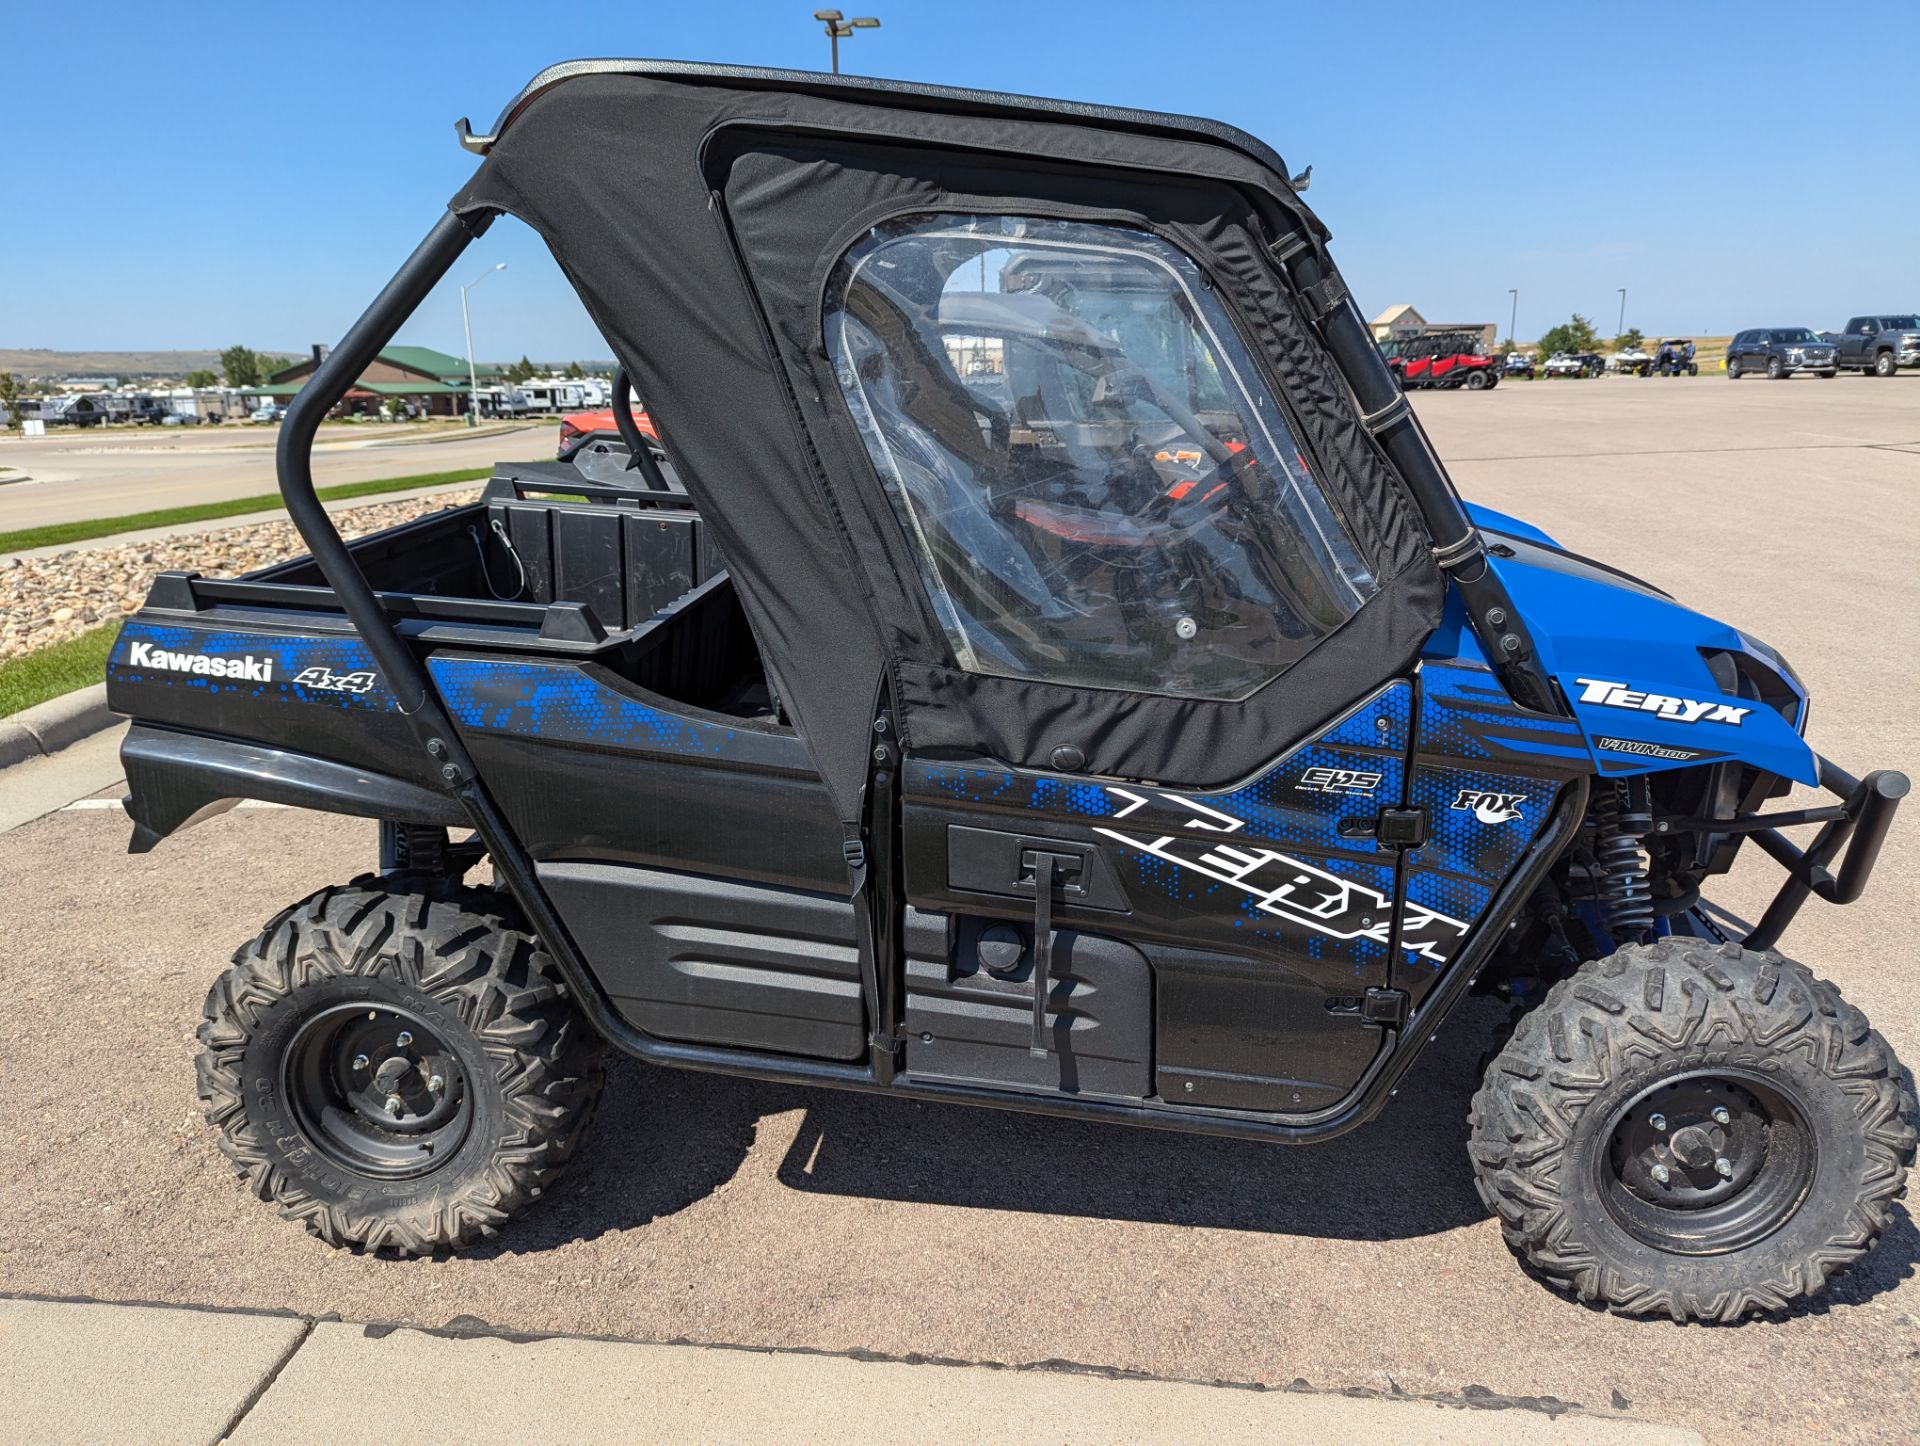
{"x": 1044, "y": 666}
{"x": 1442, "y": 360}
{"x": 1674, "y": 358}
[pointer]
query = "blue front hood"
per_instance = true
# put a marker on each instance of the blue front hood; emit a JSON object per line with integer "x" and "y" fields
{"x": 1633, "y": 663}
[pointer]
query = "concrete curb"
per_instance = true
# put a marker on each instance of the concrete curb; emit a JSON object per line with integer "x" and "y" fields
{"x": 55, "y": 724}
{"x": 256, "y": 1376}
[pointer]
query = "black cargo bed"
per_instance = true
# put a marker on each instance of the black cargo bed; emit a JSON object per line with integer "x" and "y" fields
{"x": 545, "y": 561}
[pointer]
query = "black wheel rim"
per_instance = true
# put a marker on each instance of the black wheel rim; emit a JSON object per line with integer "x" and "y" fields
{"x": 376, "y": 1090}
{"x": 1705, "y": 1163}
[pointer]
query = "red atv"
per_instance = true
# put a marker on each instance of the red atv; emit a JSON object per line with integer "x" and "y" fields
{"x": 1441, "y": 359}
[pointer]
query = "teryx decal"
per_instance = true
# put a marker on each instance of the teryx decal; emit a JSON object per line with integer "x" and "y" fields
{"x": 1674, "y": 710}
{"x": 1490, "y": 808}
{"x": 244, "y": 668}
{"x": 1337, "y": 780}
{"x": 325, "y": 680}
{"x": 1289, "y": 888}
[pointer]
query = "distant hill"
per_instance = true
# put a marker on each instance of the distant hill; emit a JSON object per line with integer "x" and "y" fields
{"x": 42, "y": 362}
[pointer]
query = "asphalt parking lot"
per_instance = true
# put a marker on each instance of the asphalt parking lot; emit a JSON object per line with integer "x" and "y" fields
{"x": 722, "y": 1211}
{"x": 82, "y": 474}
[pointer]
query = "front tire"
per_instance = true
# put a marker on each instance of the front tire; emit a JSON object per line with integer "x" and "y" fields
{"x": 1774, "y": 370}
{"x": 1692, "y": 1130}
{"x": 1884, "y": 365}
{"x": 397, "y": 1066}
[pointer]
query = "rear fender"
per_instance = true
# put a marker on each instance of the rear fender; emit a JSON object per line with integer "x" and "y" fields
{"x": 176, "y": 779}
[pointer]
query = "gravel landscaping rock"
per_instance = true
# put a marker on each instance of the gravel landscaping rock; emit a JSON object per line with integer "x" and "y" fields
{"x": 46, "y": 600}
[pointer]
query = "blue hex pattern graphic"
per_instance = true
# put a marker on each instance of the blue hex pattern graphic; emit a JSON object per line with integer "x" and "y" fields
{"x": 334, "y": 672}
{"x": 565, "y": 704}
{"x": 1269, "y": 856}
{"x": 1487, "y": 774}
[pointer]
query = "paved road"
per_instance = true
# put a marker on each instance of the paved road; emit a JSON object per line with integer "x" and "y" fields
{"x": 725, "y": 1211}
{"x": 82, "y": 475}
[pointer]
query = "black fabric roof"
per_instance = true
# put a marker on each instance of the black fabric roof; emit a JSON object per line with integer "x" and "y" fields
{"x": 698, "y": 210}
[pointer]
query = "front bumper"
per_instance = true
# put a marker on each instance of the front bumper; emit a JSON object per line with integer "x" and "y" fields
{"x": 1864, "y": 816}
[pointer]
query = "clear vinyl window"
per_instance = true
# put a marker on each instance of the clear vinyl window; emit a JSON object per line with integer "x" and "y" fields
{"x": 1097, "y": 487}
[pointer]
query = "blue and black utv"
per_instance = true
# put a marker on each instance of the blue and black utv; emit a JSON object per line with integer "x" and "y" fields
{"x": 1044, "y": 665}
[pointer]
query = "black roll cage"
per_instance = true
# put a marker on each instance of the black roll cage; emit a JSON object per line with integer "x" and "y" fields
{"x": 1385, "y": 412}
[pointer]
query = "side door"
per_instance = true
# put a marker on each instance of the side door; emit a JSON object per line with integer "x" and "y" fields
{"x": 1119, "y": 507}
{"x": 1853, "y": 342}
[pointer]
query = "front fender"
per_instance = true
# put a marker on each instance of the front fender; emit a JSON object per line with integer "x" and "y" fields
{"x": 1634, "y": 666}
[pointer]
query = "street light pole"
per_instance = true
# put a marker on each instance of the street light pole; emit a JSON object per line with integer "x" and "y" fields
{"x": 1621, "y": 330}
{"x": 1514, "y": 319}
{"x": 839, "y": 28}
{"x": 466, "y": 321}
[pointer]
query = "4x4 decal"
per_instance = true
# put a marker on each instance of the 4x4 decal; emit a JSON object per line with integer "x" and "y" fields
{"x": 325, "y": 680}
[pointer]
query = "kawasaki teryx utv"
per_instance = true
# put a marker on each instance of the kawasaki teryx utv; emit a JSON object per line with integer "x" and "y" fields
{"x": 1045, "y": 666}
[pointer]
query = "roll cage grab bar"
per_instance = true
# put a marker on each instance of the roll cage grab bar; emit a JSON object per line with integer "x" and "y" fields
{"x": 1865, "y": 815}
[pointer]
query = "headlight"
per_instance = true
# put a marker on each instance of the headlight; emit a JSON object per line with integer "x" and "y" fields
{"x": 1795, "y": 354}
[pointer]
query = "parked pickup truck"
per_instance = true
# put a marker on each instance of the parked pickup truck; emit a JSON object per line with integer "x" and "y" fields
{"x": 1879, "y": 344}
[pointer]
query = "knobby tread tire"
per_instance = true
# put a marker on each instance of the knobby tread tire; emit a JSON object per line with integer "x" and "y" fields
{"x": 463, "y": 952}
{"x": 1618, "y": 1023}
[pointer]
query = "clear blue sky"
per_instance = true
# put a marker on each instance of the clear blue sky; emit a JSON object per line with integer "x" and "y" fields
{"x": 195, "y": 175}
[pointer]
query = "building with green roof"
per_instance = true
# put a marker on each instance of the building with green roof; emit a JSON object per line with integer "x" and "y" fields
{"x": 430, "y": 383}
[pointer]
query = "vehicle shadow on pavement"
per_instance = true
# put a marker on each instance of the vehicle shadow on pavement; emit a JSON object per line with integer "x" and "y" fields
{"x": 1405, "y": 1174}
{"x": 661, "y": 1141}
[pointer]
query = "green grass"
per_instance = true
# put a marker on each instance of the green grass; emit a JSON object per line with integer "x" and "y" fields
{"x": 57, "y": 533}
{"x": 49, "y": 672}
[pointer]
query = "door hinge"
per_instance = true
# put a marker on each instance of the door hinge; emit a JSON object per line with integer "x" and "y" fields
{"x": 1386, "y": 1006}
{"x": 1393, "y": 827}
{"x": 1401, "y": 828}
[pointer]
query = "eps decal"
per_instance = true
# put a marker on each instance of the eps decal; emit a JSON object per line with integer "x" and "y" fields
{"x": 1337, "y": 780}
{"x": 1490, "y": 808}
{"x": 1674, "y": 710}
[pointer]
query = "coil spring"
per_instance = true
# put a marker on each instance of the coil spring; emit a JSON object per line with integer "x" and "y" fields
{"x": 1626, "y": 891}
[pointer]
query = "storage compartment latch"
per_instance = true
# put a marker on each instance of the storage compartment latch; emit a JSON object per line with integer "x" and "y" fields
{"x": 1044, "y": 872}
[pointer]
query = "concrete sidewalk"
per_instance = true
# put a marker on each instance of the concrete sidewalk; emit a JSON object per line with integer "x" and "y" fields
{"x": 86, "y": 1372}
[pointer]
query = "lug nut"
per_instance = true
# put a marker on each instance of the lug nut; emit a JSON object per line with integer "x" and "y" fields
{"x": 1723, "y": 1167}
{"x": 404, "y": 1039}
{"x": 1660, "y": 1174}
{"x": 395, "y": 1106}
{"x": 436, "y": 1084}
{"x": 360, "y": 1061}
{"x": 1720, "y": 1115}
{"x": 1659, "y": 1122}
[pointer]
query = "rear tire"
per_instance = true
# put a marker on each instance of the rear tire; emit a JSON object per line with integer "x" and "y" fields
{"x": 1884, "y": 365}
{"x": 1478, "y": 381}
{"x": 396, "y": 1065}
{"x": 1571, "y": 1134}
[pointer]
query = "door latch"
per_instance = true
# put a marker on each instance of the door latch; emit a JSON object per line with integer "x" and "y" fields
{"x": 1047, "y": 869}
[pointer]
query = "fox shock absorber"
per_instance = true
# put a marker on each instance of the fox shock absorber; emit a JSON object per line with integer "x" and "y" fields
{"x": 1622, "y": 816}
